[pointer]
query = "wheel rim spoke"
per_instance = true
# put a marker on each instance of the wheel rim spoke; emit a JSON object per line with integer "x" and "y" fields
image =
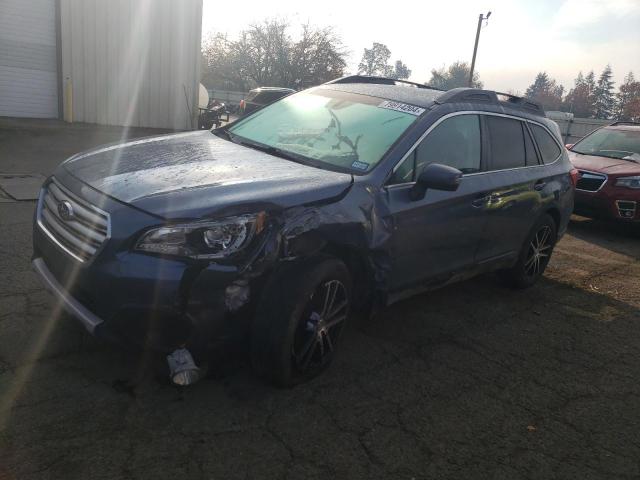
{"x": 335, "y": 321}
{"x": 342, "y": 305}
{"x": 320, "y": 343}
{"x": 327, "y": 337}
{"x": 545, "y": 236}
{"x": 310, "y": 347}
{"x": 318, "y": 330}
{"x": 330, "y": 297}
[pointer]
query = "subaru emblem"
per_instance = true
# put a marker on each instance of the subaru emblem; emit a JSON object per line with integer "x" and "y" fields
{"x": 65, "y": 210}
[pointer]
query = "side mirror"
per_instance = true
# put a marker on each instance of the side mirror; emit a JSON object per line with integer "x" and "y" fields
{"x": 437, "y": 177}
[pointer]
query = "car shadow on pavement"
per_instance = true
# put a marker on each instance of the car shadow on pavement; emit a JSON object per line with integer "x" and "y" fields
{"x": 619, "y": 237}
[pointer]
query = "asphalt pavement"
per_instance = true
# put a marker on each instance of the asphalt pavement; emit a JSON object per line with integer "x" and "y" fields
{"x": 471, "y": 381}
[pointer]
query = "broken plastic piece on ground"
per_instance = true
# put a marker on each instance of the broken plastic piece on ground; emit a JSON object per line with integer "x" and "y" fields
{"x": 183, "y": 370}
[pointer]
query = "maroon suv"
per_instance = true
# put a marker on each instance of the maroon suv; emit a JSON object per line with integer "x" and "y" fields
{"x": 608, "y": 160}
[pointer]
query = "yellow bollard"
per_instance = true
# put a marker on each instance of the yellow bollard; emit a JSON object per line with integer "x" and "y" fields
{"x": 68, "y": 104}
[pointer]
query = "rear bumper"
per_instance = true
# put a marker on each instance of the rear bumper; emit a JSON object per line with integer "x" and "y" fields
{"x": 88, "y": 320}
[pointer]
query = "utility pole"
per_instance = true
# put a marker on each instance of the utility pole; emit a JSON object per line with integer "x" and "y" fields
{"x": 475, "y": 47}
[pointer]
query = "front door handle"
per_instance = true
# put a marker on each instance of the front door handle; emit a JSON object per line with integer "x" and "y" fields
{"x": 540, "y": 184}
{"x": 486, "y": 200}
{"x": 481, "y": 201}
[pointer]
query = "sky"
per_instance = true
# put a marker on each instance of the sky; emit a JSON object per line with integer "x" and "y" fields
{"x": 521, "y": 38}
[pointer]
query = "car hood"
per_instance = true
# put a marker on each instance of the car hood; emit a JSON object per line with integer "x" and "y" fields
{"x": 610, "y": 166}
{"x": 194, "y": 174}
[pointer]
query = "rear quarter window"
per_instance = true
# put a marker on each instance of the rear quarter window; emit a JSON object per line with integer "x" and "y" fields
{"x": 549, "y": 149}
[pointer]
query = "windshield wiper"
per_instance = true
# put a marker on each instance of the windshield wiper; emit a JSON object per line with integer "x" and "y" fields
{"x": 223, "y": 133}
{"x": 270, "y": 150}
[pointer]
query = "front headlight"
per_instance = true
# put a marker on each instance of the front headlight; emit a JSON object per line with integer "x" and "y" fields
{"x": 203, "y": 240}
{"x": 629, "y": 182}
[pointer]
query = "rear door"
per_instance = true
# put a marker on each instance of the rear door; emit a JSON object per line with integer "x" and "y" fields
{"x": 436, "y": 237}
{"x": 515, "y": 186}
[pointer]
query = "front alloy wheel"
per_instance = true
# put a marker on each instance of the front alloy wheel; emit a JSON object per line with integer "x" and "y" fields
{"x": 320, "y": 326}
{"x": 299, "y": 320}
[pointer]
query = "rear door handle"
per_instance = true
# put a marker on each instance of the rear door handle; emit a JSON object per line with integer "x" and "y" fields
{"x": 540, "y": 184}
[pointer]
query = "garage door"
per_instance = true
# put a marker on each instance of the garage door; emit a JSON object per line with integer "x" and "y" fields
{"x": 28, "y": 76}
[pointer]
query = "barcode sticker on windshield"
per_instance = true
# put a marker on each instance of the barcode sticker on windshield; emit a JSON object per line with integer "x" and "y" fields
{"x": 402, "y": 107}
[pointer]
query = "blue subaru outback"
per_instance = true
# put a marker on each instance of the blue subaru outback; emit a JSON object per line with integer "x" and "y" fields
{"x": 271, "y": 230}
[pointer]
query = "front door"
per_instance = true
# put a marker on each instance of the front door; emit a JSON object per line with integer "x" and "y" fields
{"x": 436, "y": 237}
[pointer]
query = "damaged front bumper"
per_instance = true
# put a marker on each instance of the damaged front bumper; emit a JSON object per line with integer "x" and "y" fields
{"x": 138, "y": 300}
{"x": 212, "y": 314}
{"x": 88, "y": 320}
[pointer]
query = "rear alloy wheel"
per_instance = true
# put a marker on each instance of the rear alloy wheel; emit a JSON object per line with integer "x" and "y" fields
{"x": 299, "y": 320}
{"x": 539, "y": 252}
{"x": 535, "y": 255}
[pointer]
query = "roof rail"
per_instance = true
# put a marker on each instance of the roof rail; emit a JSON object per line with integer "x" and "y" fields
{"x": 379, "y": 81}
{"x": 461, "y": 95}
{"x": 625, "y": 123}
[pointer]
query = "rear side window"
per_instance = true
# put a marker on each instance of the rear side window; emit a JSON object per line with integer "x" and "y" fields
{"x": 506, "y": 140}
{"x": 548, "y": 147}
{"x": 530, "y": 151}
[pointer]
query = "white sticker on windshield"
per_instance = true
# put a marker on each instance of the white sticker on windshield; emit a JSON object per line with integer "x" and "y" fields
{"x": 402, "y": 107}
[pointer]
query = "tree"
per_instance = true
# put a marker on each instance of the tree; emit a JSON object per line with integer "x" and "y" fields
{"x": 545, "y": 91}
{"x": 400, "y": 71}
{"x": 580, "y": 99}
{"x": 375, "y": 60}
{"x": 219, "y": 66}
{"x": 456, "y": 75}
{"x": 604, "y": 98}
{"x": 628, "y": 100}
{"x": 317, "y": 57}
{"x": 266, "y": 55}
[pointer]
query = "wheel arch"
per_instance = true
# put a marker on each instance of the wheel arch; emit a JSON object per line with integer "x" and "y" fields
{"x": 554, "y": 213}
{"x": 360, "y": 268}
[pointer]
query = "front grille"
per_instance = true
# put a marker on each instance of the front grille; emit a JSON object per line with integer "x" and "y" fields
{"x": 590, "y": 182}
{"x": 626, "y": 208}
{"x": 78, "y": 227}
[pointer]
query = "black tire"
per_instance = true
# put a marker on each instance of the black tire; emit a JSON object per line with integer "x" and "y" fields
{"x": 534, "y": 256}
{"x": 290, "y": 321}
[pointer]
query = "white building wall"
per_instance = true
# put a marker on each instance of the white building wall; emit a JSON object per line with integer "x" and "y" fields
{"x": 131, "y": 62}
{"x": 28, "y": 65}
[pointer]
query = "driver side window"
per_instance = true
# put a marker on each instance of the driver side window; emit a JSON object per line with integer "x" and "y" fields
{"x": 455, "y": 142}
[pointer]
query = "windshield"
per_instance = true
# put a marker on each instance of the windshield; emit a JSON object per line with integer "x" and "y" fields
{"x": 607, "y": 142}
{"x": 330, "y": 129}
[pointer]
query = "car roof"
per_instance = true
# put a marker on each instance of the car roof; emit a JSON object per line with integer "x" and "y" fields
{"x": 425, "y": 96}
{"x": 398, "y": 93}
{"x": 624, "y": 126}
{"x": 273, "y": 89}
